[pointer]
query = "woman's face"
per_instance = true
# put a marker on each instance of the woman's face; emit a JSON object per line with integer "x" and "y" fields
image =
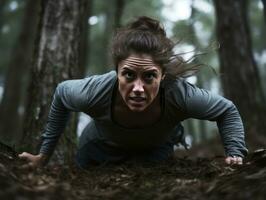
{"x": 139, "y": 81}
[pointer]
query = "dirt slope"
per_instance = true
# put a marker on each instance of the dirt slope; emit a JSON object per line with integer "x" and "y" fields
{"x": 178, "y": 178}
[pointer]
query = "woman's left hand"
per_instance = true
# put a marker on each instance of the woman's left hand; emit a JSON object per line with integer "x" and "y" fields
{"x": 234, "y": 160}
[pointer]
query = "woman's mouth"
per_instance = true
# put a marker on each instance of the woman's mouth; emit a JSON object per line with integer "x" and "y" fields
{"x": 137, "y": 99}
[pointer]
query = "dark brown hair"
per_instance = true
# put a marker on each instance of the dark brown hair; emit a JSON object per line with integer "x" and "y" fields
{"x": 147, "y": 36}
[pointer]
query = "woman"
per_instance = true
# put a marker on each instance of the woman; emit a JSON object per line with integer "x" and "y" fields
{"x": 136, "y": 110}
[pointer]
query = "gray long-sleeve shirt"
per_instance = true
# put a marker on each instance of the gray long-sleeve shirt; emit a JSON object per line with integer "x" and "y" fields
{"x": 181, "y": 100}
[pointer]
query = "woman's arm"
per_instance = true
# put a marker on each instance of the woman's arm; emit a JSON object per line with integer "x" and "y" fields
{"x": 69, "y": 96}
{"x": 82, "y": 95}
{"x": 202, "y": 104}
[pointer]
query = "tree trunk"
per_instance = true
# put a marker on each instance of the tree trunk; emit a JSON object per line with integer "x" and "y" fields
{"x": 3, "y": 4}
{"x": 190, "y": 129}
{"x": 85, "y": 34}
{"x": 112, "y": 21}
{"x": 57, "y": 58}
{"x": 264, "y": 10}
{"x": 16, "y": 76}
{"x": 240, "y": 78}
{"x": 107, "y": 34}
{"x": 120, "y": 5}
{"x": 201, "y": 125}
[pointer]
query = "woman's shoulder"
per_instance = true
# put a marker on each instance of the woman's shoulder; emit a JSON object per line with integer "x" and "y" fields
{"x": 94, "y": 82}
{"x": 177, "y": 86}
{"x": 179, "y": 91}
{"x": 88, "y": 91}
{"x": 182, "y": 88}
{"x": 106, "y": 77}
{"x": 175, "y": 91}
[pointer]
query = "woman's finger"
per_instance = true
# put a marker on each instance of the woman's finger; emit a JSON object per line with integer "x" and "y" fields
{"x": 239, "y": 160}
{"x": 24, "y": 156}
{"x": 228, "y": 160}
{"x": 234, "y": 160}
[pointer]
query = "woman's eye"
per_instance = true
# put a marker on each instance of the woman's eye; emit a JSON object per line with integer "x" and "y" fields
{"x": 129, "y": 75}
{"x": 150, "y": 76}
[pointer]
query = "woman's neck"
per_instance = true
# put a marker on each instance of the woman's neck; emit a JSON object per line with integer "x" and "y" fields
{"x": 127, "y": 118}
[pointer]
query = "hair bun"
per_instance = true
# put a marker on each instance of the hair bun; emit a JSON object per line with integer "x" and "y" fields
{"x": 147, "y": 24}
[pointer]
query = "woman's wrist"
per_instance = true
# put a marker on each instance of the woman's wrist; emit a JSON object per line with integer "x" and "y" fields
{"x": 43, "y": 158}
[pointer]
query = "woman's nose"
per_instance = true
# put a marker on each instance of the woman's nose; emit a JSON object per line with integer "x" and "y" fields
{"x": 138, "y": 86}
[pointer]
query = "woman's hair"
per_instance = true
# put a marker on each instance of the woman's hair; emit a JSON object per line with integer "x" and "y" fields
{"x": 147, "y": 36}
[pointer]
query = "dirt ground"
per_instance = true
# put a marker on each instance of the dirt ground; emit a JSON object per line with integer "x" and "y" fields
{"x": 183, "y": 177}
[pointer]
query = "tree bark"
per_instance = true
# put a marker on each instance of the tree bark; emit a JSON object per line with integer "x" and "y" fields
{"x": 57, "y": 58}
{"x": 240, "y": 78}
{"x": 17, "y": 74}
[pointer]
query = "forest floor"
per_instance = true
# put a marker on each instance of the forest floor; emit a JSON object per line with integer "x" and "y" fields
{"x": 183, "y": 177}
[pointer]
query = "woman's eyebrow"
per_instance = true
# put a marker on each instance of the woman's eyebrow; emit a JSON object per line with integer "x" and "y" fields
{"x": 128, "y": 68}
{"x": 151, "y": 71}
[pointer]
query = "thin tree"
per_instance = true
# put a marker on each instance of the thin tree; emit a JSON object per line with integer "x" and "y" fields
{"x": 196, "y": 43}
{"x": 240, "y": 78}
{"x": 3, "y": 4}
{"x": 264, "y": 10}
{"x": 119, "y": 9}
{"x": 57, "y": 58}
{"x": 85, "y": 35}
{"x": 17, "y": 74}
{"x": 113, "y": 15}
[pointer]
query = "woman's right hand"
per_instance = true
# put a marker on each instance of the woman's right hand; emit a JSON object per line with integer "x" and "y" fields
{"x": 33, "y": 161}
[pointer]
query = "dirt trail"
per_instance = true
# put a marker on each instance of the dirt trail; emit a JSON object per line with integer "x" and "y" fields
{"x": 178, "y": 178}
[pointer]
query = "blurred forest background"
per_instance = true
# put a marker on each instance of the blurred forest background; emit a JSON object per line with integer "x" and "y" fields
{"x": 43, "y": 42}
